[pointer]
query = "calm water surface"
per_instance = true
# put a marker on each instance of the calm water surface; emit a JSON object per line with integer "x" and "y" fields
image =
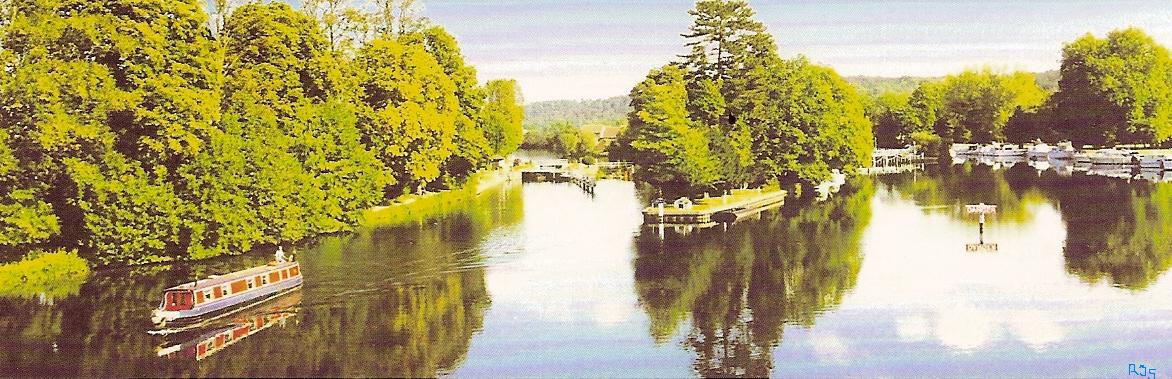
{"x": 544, "y": 280}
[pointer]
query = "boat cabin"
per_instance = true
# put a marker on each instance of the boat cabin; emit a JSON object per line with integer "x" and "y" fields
{"x": 190, "y": 295}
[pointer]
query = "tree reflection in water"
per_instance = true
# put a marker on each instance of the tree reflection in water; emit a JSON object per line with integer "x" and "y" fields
{"x": 1116, "y": 230}
{"x": 741, "y": 286}
{"x": 399, "y": 302}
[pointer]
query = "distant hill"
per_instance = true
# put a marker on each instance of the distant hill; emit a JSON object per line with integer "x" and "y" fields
{"x": 613, "y": 110}
{"x": 874, "y": 85}
{"x": 579, "y": 112}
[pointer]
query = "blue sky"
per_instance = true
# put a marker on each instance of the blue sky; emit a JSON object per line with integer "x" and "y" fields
{"x": 575, "y": 49}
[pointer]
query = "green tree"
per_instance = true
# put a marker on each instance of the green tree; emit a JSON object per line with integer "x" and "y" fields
{"x": 669, "y": 147}
{"x": 722, "y": 38}
{"x": 805, "y": 120}
{"x": 410, "y": 110}
{"x": 1115, "y": 90}
{"x": 473, "y": 146}
{"x": 503, "y": 116}
{"x": 889, "y": 115}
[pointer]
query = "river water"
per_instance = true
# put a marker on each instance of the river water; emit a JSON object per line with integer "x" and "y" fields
{"x": 888, "y": 277}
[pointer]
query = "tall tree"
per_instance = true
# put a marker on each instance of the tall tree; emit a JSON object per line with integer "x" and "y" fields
{"x": 410, "y": 110}
{"x": 669, "y": 147}
{"x": 473, "y": 148}
{"x": 503, "y": 116}
{"x": 805, "y": 120}
{"x": 1117, "y": 89}
{"x": 722, "y": 36}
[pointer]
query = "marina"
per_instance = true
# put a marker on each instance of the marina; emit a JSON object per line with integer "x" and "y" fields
{"x": 1064, "y": 151}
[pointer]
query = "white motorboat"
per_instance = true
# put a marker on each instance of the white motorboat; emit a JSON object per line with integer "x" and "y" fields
{"x": 1007, "y": 150}
{"x": 966, "y": 149}
{"x": 1039, "y": 150}
{"x": 1064, "y": 150}
{"x": 1115, "y": 157}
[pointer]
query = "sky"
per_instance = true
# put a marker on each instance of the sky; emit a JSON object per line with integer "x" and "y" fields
{"x": 586, "y": 49}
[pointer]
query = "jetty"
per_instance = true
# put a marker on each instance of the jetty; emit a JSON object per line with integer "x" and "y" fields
{"x": 727, "y": 208}
{"x": 557, "y": 174}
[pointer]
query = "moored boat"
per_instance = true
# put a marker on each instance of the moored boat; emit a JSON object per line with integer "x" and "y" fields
{"x": 1007, "y": 150}
{"x": 966, "y": 149}
{"x": 221, "y": 295}
{"x": 1039, "y": 151}
{"x": 1114, "y": 157}
{"x": 1062, "y": 151}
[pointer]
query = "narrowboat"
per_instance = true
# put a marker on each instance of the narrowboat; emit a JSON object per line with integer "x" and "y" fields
{"x": 202, "y": 344}
{"x": 220, "y": 295}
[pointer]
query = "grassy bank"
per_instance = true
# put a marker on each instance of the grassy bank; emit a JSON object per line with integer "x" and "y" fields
{"x": 44, "y": 274}
{"x": 411, "y": 208}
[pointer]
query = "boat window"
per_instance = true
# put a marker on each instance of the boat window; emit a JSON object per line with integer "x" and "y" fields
{"x": 207, "y": 295}
{"x": 264, "y": 280}
{"x": 225, "y": 289}
{"x": 250, "y": 284}
{"x": 284, "y": 274}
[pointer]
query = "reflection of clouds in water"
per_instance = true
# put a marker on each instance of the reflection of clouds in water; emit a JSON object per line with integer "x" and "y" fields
{"x": 912, "y": 328}
{"x": 965, "y": 328}
{"x": 571, "y": 268}
{"x": 1036, "y": 328}
{"x": 828, "y": 347}
{"x": 1021, "y": 292}
{"x": 969, "y": 302}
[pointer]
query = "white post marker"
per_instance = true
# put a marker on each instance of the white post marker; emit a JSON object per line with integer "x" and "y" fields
{"x": 981, "y": 210}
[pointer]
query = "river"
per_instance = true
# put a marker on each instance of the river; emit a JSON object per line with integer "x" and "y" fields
{"x": 888, "y": 277}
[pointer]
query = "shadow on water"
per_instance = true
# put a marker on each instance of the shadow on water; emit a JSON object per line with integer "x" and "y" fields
{"x": 739, "y": 287}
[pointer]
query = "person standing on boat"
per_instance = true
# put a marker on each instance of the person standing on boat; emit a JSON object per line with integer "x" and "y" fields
{"x": 280, "y": 254}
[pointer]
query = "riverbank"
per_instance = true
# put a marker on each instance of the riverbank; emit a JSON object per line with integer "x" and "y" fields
{"x": 46, "y": 275}
{"x": 417, "y": 207}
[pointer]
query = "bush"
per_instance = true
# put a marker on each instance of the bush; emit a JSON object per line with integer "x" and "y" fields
{"x": 54, "y": 274}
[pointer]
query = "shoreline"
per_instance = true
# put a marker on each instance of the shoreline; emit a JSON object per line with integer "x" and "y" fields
{"x": 416, "y": 207}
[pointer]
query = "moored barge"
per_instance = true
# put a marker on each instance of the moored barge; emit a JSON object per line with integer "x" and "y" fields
{"x": 221, "y": 295}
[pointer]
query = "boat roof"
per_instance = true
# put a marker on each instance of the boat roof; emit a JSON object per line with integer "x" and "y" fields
{"x": 230, "y": 277}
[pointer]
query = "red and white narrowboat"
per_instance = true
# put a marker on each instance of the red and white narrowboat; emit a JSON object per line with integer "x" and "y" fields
{"x": 221, "y": 295}
{"x": 215, "y": 339}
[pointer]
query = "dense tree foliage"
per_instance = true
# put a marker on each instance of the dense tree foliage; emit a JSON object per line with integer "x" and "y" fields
{"x": 135, "y": 131}
{"x": 973, "y": 106}
{"x": 1109, "y": 91}
{"x": 733, "y": 113}
{"x": 563, "y": 138}
{"x": 1115, "y": 90}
